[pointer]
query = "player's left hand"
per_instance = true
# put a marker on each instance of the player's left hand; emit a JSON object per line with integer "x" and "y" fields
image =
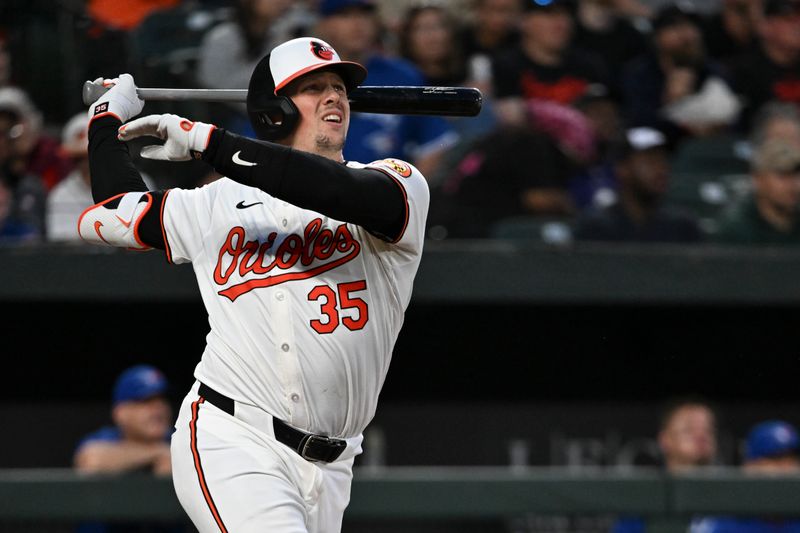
{"x": 121, "y": 100}
{"x": 184, "y": 139}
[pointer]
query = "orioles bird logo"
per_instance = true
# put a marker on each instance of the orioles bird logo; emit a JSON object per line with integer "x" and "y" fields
{"x": 321, "y": 51}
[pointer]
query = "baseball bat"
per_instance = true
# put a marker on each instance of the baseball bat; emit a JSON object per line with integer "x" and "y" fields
{"x": 392, "y": 100}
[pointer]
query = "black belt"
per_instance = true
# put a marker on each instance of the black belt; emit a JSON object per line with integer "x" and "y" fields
{"x": 309, "y": 446}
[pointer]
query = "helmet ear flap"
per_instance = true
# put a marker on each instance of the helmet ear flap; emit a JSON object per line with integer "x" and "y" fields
{"x": 272, "y": 117}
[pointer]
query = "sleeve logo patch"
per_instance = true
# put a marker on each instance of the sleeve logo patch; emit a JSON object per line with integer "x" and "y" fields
{"x": 101, "y": 108}
{"x": 400, "y": 167}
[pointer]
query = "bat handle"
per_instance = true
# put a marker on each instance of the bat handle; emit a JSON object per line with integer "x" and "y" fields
{"x": 92, "y": 92}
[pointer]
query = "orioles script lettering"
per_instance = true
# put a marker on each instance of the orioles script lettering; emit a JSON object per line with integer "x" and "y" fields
{"x": 320, "y": 249}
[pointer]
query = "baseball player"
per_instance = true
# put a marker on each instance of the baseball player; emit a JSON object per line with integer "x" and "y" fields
{"x": 305, "y": 263}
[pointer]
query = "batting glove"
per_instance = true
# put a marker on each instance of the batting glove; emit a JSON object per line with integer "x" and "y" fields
{"x": 184, "y": 139}
{"x": 121, "y": 100}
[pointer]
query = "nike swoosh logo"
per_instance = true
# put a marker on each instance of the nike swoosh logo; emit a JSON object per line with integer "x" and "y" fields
{"x": 97, "y": 226}
{"x": 239, "y": 161}
{"x": 126, "y": 224}
{"x": 242, "y": 205}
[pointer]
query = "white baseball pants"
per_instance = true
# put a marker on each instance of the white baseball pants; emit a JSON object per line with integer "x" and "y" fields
{"x": 234, "y": 477}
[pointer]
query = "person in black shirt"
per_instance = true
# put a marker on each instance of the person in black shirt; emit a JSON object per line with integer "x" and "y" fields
{"x": 772, "y": 70}
{"x": 545, "y": 66}
{"x": 676, "y": 87}
{"x": 732, "y": 30}
{"x": 642, "y": 170}
{"x": 601, "y": 25}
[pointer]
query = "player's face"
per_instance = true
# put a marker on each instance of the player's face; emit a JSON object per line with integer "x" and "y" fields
{"x": 145, "y": 420}
{"x": 690, "y": 438}
{"x": 321, "y": 98}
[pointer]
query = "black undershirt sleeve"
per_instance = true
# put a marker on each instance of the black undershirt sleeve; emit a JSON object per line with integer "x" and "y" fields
{"x": 366, "y": 197}
{"x": 113, "y": 172}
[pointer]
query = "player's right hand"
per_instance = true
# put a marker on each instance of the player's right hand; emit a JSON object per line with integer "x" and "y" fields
{"x": 184, "y": 139}
{"x": 121, "y": 100}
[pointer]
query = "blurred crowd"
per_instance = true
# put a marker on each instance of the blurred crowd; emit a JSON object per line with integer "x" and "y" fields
{"x": 602, "y": 120}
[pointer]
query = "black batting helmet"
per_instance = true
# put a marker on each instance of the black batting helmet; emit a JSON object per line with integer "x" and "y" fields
{"x": 274, "y": 116}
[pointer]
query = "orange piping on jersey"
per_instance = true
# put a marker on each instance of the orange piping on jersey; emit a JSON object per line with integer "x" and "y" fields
{"x": 405, "y": 199}
{"x": 164, "y": 231}
{"x": 199, "y": 467}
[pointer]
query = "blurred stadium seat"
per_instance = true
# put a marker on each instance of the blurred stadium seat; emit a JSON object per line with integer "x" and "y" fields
{"x": 709, "y": 174}
{"x": 544, "y": 229}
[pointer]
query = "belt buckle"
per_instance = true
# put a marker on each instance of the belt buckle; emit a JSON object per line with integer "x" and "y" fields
{"x": 321, "y": 439}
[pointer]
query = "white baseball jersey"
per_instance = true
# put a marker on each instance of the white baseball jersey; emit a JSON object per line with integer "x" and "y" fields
{"x": 304, "y": 310}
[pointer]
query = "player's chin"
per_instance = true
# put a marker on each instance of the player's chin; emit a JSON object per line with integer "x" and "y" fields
{"x": 330, "y": 140}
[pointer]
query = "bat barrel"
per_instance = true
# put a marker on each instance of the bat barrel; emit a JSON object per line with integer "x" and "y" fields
{"x": 445, "y": 101}
{"x": 396, "y": 100}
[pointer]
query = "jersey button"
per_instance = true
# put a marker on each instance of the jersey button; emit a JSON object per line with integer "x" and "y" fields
{"x": 295, "y": 397}
{"x": 285, "y": 347}
{"x": 279, "y": 296}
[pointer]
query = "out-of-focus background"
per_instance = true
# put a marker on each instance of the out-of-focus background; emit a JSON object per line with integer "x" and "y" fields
{"x": 606, "y": 309}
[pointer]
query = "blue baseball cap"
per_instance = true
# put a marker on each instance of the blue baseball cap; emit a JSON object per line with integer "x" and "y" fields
{"x": 770, "y": 439}
{"x": 139, "y": 383}
{"x": 331, "y": 7}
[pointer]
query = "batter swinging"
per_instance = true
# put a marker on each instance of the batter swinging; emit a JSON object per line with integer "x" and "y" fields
{"x": 305, "y": 263}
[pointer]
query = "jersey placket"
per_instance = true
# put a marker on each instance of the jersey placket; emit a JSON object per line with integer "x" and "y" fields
{"x": 285, "y": 345}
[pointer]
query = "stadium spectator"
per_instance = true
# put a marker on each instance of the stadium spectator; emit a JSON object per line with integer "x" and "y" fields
{"x": 776, "y": 120}
{"x": 675, "y": 86}
{"x": 13, "y": 230}
{"x": 490, "y": 27}
{"x": 544, "y": 66}
{"x": 493, "y": 26}
{"x": 137, "y": 441}
{"x": 107, "y": 28}
{"x": 72, "y": 195}
{"x": 687, "y": 435}
{"x": 772, "y": 70}
{"x": 642, "y": 171}
{"x": 731, "y": 30}
{"x": 32, "y": 151}
{"x": 769, "y": 215}
{"x": 427, "y": 38}
{"x": 687, "y": 440}
{"x": 353, "y": 28}
{"x": 512, "y": 172}
{"x": 108, "y": 12}
{"x": 772, "y": 448}
{"x": 23, "y": 193}
{"x": 595, "y": 184}
{"x": 139, "y": 438}
{"x": 602, "y": 25}
{"x": 229, "y": 51}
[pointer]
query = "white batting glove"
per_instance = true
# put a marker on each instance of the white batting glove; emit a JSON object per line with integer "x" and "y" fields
{"x": 121, "y": 100}
{"x": 184, "y": 139}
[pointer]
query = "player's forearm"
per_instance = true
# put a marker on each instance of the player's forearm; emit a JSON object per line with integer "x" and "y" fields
{"x": 365, "y": 197}
{"x": 118, "y": 457}
{"x": 110, "y": 163}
